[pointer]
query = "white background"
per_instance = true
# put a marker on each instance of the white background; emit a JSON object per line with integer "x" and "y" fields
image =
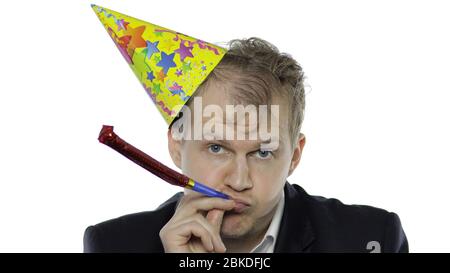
{"x": 377, "y": 116}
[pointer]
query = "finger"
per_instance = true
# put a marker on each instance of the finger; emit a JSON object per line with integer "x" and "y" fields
{"x": 213, "y": 231}
{"x": 209, "y": 203}
{"x": 197, "y": 229}
{"x": 213, "y": 226}
{"x": 215, "y": 217}
{"x": 191, "y": 206}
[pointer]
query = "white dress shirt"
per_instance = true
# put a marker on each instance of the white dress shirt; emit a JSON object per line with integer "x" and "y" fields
{"x": 267, "y": 244}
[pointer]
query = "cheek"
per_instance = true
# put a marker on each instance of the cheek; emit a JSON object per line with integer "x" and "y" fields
{"x": 190, "y": 163}
{"x": 271, "y": 174}
{"x": 202, "y": 169}
{"x": 269, "y": 183}
{"x": 267, "y": 191}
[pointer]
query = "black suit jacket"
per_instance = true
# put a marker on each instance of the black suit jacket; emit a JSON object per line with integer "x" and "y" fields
{"x": 309, "y": 224}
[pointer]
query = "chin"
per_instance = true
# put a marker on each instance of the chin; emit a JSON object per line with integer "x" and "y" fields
{"x": 235, "y": 226}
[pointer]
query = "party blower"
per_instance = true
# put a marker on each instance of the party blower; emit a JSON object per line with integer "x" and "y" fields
{"x": 109, "y": 138}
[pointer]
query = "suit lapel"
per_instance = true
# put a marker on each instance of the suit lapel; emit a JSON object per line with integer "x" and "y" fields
{"x": 296, "y": 233}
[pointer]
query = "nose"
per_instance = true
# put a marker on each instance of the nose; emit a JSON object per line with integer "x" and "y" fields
{"x": 238, "y": 175}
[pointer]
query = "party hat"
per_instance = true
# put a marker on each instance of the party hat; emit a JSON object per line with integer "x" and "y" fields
{"x": 169, "y": 65}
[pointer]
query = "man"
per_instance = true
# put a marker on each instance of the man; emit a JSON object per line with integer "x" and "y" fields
{"x": 265, "y": 212}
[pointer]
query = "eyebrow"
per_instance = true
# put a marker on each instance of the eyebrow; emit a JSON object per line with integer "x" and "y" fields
{"x": 228, "y": 144}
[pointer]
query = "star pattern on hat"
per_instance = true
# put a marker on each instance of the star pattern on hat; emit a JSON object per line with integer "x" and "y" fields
{"x": 151, "y": 49}
{"x": 150, "y": 76}
{"x": 166, "y": 62}
{"x": 184, "y": 51}
{"x": 167, "y": 45}
{"x": 121, "y": 24}
{"x": 186, "y": 67}
{"x": 160, "y": 76}
{"x": 158, "y": 33}
{"x": 157, "y": 88}
{"x": 170, "y": 65}
{"x": 136, "y": 37}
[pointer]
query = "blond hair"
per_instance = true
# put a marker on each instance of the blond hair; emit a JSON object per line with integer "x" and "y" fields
{"x": 258, "y": 71}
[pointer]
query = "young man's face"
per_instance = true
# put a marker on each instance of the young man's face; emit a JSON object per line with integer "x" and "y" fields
{"x": 240, "y": 168}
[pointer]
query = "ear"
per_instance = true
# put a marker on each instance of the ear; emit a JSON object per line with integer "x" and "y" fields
{"x": 174, "y": 149}
{"x": 297, "y": 155}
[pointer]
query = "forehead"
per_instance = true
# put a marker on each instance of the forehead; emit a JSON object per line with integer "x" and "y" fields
{"x": 221, "y": 92}
{"x": 222, "y": 95}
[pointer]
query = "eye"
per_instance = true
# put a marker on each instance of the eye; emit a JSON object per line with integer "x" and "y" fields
{"x": 215, "y": 148}
{"x": 264, "y": 154}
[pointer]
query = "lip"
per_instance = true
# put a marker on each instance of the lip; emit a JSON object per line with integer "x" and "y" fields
{"x": 240, "y": 207}
{"x": 241, "y": 204}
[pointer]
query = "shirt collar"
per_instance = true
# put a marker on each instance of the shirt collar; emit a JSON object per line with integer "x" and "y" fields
{"x": 268, "y": 243}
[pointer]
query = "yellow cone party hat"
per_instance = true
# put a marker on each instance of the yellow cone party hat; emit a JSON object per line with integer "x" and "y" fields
{"x": 170, "y": 65}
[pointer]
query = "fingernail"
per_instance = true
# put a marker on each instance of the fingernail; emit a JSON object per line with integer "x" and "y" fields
{"x": 223, "y": 246}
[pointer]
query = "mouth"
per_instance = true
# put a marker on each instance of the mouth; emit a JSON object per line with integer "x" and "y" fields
{"x": 240, "y": 205}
